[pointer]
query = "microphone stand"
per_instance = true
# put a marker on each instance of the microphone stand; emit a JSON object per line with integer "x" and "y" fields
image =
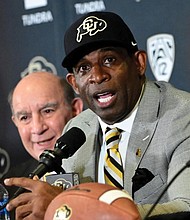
{"x": 49, "y": 161}
{"x": 171, "y": 181}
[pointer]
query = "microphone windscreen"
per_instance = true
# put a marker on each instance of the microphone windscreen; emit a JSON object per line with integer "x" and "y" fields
{"x": 71, "y": 141}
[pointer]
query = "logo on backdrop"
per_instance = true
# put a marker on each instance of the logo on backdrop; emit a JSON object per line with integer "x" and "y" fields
{"x": 37, "y": 64}
{"x": 83, "y": 8}
{"x": 38, "y": 17}
{"x": 161, "y": 55}
{"x": 4, "y": 162}
{"x": 30, "y": 4}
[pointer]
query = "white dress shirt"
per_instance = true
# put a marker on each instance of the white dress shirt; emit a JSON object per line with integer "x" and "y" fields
{"x": 126, "y": 127}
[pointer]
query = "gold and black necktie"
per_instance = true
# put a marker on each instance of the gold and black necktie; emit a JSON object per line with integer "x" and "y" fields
{"x": 113, "y": 168}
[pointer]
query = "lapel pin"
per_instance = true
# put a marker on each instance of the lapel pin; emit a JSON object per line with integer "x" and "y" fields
{"x": 138, "y": 152}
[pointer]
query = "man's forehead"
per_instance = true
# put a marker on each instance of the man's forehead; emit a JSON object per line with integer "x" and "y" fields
{"x": 119, "y": 50}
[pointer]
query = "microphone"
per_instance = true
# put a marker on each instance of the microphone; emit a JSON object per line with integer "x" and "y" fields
{"x": 65, "y": 147}
{"x": 51, "y": 160}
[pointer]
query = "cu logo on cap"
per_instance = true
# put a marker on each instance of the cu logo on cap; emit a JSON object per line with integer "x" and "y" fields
{"x": 91, "y": 25}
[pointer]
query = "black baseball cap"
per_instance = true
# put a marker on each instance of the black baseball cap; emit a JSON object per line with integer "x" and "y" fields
{"x": 93, "y": 31}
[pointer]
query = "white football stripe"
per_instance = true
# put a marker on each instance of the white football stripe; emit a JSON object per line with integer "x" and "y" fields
{"x": 111, "y": 195}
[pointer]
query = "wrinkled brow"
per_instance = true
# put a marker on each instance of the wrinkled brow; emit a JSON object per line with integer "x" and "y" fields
{"x": 47, "y": 105}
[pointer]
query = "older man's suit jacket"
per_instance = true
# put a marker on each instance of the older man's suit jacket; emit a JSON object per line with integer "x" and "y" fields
{"x": 159, "y": 143}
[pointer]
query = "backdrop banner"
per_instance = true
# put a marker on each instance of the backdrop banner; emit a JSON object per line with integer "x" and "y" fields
{"x": 32, "y": 38}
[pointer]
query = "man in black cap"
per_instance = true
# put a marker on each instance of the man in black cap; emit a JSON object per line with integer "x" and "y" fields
{"x": 151, "y": 119}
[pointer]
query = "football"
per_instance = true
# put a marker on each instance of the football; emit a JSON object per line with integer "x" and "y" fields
{"x": 93, "y": 201}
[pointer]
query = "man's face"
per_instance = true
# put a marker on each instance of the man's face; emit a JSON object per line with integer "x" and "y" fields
{"x": 40, "y": 113}
{"x": 109, "y": 81}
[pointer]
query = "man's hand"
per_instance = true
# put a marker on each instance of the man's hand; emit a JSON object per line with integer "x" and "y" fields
{"x": 31, "y": 205}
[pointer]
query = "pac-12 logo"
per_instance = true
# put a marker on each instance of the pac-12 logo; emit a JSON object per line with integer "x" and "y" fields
{"x": 161, "y": 55}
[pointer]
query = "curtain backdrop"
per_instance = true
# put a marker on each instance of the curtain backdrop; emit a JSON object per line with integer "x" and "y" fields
{"x": 31, "y": 36}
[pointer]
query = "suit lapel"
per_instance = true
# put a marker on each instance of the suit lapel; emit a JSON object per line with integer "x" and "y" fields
{"x": 143, "y": 129}
{"x": 85, "y": 166}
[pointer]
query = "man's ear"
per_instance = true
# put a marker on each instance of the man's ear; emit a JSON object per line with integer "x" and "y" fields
{"x": 77, "y": 106}
{"x": 14, "y": 120}
{"x": 72, "y": 81}
{"x": 141, "y": 59}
